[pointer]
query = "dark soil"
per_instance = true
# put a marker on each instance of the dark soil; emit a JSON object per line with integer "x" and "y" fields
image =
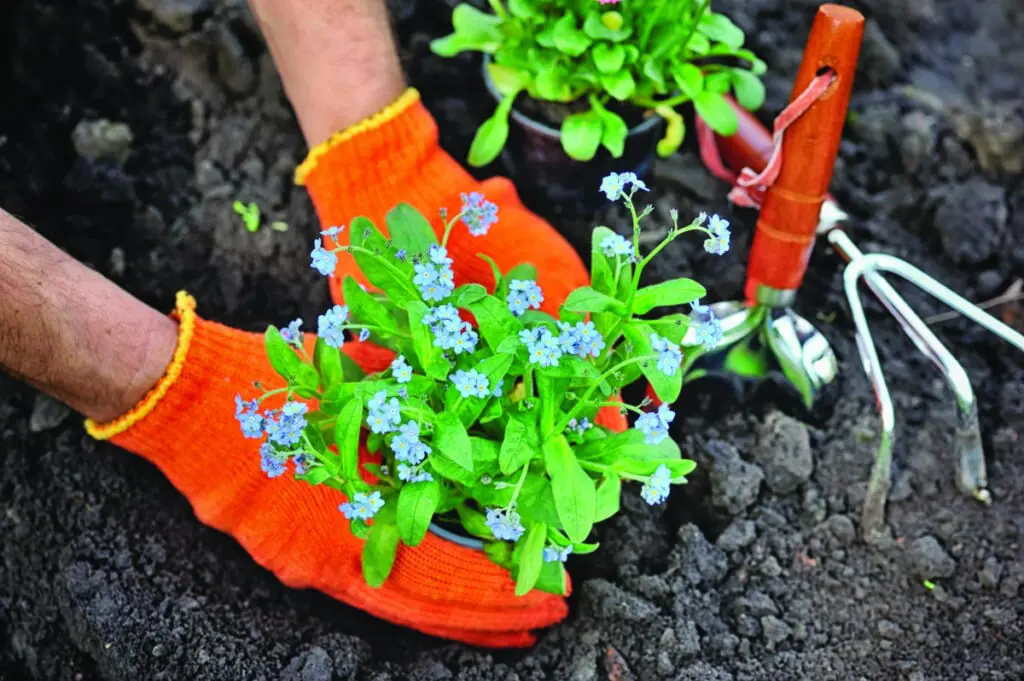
{"x": 755, "y": 573}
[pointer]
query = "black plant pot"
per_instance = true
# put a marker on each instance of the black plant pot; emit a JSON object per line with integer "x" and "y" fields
{"x": 546, "y": 176}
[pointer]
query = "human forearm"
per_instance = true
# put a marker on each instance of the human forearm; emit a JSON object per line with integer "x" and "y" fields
{"x": 72, "y": 333}
{"x": 337, "y": 59}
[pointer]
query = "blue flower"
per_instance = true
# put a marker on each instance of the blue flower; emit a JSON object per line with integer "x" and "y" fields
{"x": 656, "y": 489}
{"x": 400, "y": 370}
{"x": 478, "y": 214}
{"x": 717, "y": 242}
{"x": 439, "y": 256}
{"x": 499, "y": 389}
{"x": 582, "y": 340}
{"x": 669, "y": 354}
{"x": 292, "y": 334}
{"x": 580, "y": 426}
{"x": 523, "y": 294}
{"x": 553, "y": 554}
{"x": 364, "y": 335}
{"x": 471, "y": 383}
{"x": 249, "y": 417}
{"x": 331, "y": 326}
{"x": 302, "y": 462}
{"x": 708, "y": 327}
{"x": 269, "y": 461}
{"x": 504, "y": 525}
{"x": 615, "y": 184}
{"x": 654, "y": 424}
{"x": 333, "y": 231}
{"x": 363, "y": 506}
{"x": 409, "y": 473}
{"x": 434, "y": 282}
{"x": 400, "y": 255}
{"x": 464, "y": 340}
{"x": 321, "y": 260}
{"x": 383, "y": 414}
{"x": 285, "y": 427}
{"x": 407, "y": 446}
{"x": 615, "y": 245}
{"x": 544, "y": 348}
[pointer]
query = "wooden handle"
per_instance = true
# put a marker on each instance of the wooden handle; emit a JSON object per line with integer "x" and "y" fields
{"x": 789, "y": 216}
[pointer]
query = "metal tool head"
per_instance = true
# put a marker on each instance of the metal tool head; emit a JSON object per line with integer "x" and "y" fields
{"x": 766, "y": 355}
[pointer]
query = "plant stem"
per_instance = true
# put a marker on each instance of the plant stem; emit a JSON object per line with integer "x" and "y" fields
{"x": 448, "y": 229}
{"x": 519, "y": 487}
{"x": 275, "y": 391}
{"x": 601, "y": 468}
{"x": 561, "y": 425}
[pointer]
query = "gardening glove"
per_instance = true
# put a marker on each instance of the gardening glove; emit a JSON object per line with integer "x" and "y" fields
{"x": 394, "y": 157}
{"x": 295, "y": 530}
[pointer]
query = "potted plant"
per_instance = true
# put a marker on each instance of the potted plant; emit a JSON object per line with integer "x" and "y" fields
{"x": 484, "y": 434}
{"x": 589, "y": 85}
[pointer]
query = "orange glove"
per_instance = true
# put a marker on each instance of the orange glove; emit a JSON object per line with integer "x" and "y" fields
{"x": 394, "y": 157}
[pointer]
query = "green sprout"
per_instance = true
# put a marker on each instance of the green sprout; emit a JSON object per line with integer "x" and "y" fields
{"x": 250, "y": 215}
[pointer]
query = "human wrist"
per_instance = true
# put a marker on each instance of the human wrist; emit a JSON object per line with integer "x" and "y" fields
{"x": 337, "y": 60}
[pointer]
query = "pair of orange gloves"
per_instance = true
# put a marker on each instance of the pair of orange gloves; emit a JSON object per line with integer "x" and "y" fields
{"x": 185, "y": 424}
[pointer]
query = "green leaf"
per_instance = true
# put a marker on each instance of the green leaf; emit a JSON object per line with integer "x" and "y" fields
{"x": 749, "y": 89}
{"x": 581, "y": 135}
{"x": 619, "y": 85}
{"x": 679, "y": 468}
{"x": 451, "y": 440}
{"x": 552, "y": 84}
{"x": 351, "y": 369}
{"x": 281, "y": 355}
{"x": 602, "y": 276}
{"x": 416, "y": 505}
{"x": 613, "y": 132}
{"x": 629, "y": 444}
{"x": 666, "y": 387}
{"x": 315, "y": 475}
{"x": 507, "y": 79}
{"x": 346, "y": 436}
{"x": 721, "y": 28}
{"x": 716, "y": 112}
{"x": 609, "y": 496}
{"x": 467, "y": 294}
{"x": 327, "y": 361}
{"x": 537, "y": 501}
{"x": 524, "y": 9}
{"x": 719, "y": 81}
{"x": 380, "y": 269}
{"x": 586, "y": 299}
{"x": 531, "y": 558}
{"x": 608, "y": 58}
{"x": 567, "y": 38}
{"x": 689, "y": 79}
{"x": 519, "y": 445}
{"x": 551, "y": 391}
{"x": 430, "y": 357}
{"x": 551, "y": 579}
{"x": 409, "y": 230}
{"x": 365, "y": 308}
{"x": 474, "y": 30}
{"x": 492, "y": 134}
{"x": 494, "y": 320}
{"x": 485, "y": 454}
{"x": 474, "y": 522}
{"x": 667, "y": 293}
{"x": 379, "y": 551}
{"x": 575, "y": 496}
{"x": 675, "y": 131}
{"x": 653, "y": 70}
{"x": 672, "y": 327}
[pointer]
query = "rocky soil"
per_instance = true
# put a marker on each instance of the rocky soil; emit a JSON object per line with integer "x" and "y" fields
{"x": 128, "y": 127}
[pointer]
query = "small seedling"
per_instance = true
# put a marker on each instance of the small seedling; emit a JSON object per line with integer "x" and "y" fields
{"x": 250, "y": 215}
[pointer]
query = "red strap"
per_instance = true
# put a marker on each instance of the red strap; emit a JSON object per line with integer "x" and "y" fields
{"x": 749, "y": 187}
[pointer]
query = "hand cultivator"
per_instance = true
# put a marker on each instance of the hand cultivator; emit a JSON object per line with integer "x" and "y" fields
{"x": 780, "y": 252}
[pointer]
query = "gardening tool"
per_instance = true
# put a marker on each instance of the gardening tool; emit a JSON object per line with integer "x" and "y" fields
{"x": 763, "y": 330}
{"x": 751, "y": 148}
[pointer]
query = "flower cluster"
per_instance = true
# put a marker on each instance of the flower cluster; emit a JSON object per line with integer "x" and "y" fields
{"x": 434, "y": 277}
{"x": 486, "y": 398}
{"x": 523, "y": 295}
{"x": 449, "y": 330}
{"x": 717, "y": 242}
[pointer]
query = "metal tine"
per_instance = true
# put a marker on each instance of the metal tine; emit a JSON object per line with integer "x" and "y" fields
{"x": 972, "y": 460}
{"x": 972, "y": 477}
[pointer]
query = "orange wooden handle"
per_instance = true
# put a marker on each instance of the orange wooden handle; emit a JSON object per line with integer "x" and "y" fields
{"x": 789, "y": 216}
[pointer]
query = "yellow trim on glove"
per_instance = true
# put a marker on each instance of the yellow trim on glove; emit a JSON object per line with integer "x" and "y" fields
{"x": 185, "y": 313}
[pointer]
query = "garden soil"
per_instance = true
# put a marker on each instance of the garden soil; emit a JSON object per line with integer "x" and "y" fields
{"x": 127, "y": 128}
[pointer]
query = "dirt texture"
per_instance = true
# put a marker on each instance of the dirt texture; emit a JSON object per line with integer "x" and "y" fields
{"x": 128, "y": 128}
